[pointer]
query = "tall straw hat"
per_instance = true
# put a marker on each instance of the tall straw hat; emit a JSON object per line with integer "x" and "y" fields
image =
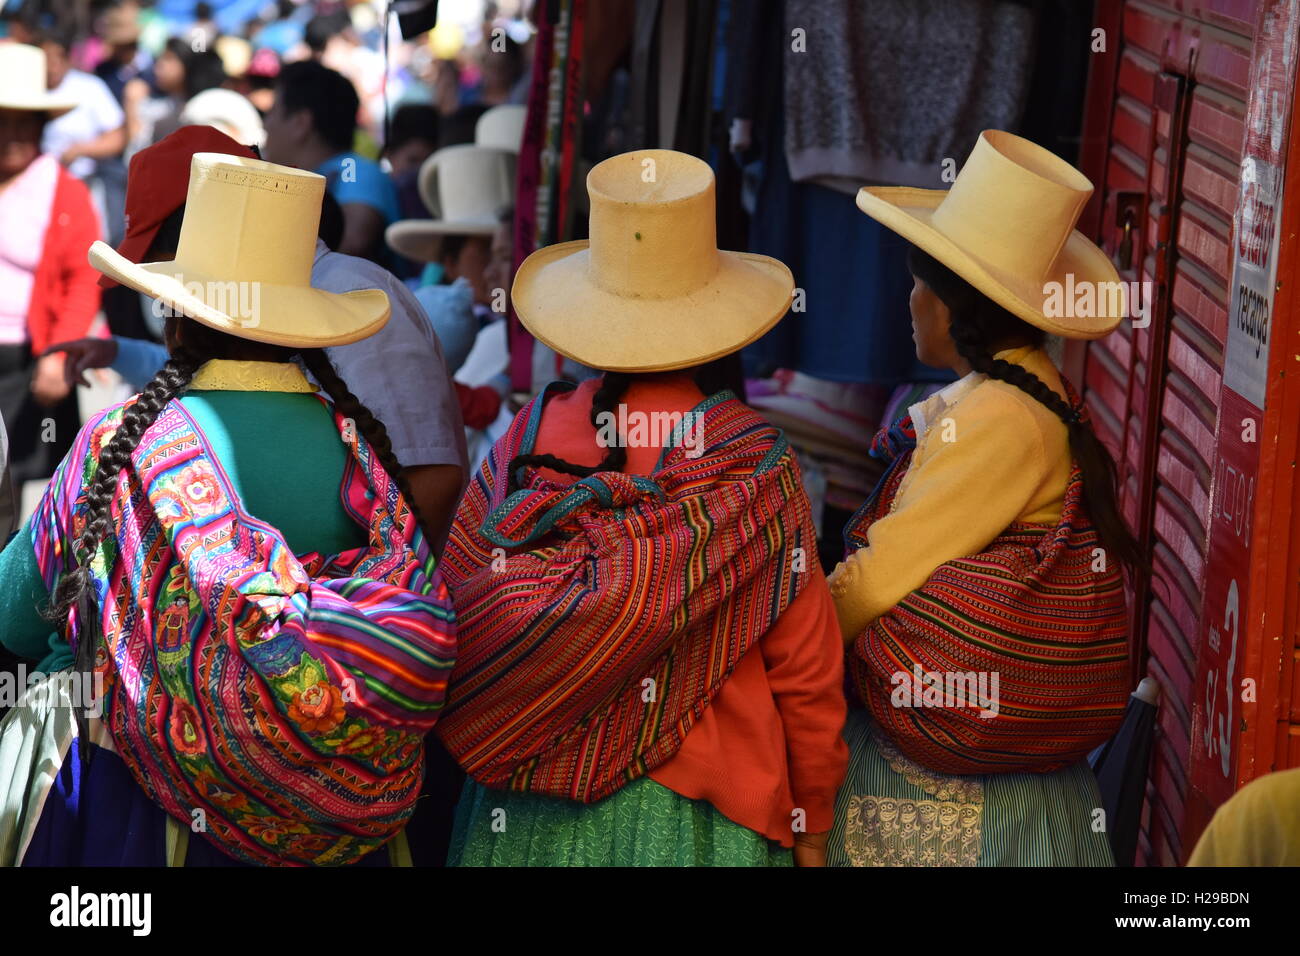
{"x": 501, "y": 127}
{"x": 465, "y": 187}
{"x": 243, "y": 263}
{"x": 650, "y": 291}
{"x": 1007, "y": 227}
{"x": 22, "y": 81}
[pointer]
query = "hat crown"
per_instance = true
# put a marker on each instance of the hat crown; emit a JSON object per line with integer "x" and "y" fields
{"x": 250, "y": 221}
{"x": 1014, "y": 201}
{"x": 22, "y": 72}
{"x": 468, "y": 183}
{"x": 652, "y": 225}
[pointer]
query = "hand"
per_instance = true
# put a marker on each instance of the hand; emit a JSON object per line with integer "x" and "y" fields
{"x": 82, "y": 355}
{"x": 70, "y": 154}
{"x": 810, "y": 848}
{"x": 49, "y": 387}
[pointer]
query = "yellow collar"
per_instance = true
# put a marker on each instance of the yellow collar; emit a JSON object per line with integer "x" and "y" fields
{"x": 232, "y": 376}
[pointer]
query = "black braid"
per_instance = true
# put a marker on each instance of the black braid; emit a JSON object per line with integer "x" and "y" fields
{"x": 976, "y": 324}
{"x": 75, "y": 589}
{"x": 612, "y": 388}
{"x": 371, "y": 428}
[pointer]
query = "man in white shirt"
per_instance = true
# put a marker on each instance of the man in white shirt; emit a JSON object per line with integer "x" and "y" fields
{"x": 96, "y": 129}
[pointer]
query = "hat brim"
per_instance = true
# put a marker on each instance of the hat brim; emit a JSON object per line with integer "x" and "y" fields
{"x": 421, "y": 239}
{"x": 43, "y": 105}
{"x": 558, "y": 303}
{"x": 292, "y": 316}
{"x": 910, "y": 213}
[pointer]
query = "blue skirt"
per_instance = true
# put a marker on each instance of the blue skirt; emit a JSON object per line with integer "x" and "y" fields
{"x": 55, "y": 812}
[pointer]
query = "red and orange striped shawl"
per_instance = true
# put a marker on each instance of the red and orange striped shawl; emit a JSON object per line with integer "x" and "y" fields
{"x": 598, "y": 619}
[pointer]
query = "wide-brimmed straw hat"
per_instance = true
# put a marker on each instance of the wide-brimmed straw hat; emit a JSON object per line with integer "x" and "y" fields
{"x": 244, "y": 260}
{"x": 23, "y": 79}
{"x": 650, "y": 291}
{"x": 1007, "y": 227}
{"x": 465, "y": 187}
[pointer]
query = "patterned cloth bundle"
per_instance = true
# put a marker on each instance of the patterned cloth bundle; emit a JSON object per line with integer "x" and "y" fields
{"x": 276, "y": 703}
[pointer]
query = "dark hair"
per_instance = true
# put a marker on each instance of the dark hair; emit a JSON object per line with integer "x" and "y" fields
{"x": 329, "y": 96}
{"x": 977, "y": 325}
{"x": 202, "y": 10}
{"x": 712, "y": 377}
{"x": 412, "y": 121}
{"x": 506, "y": 214}
{"x": 321, "y": 27}
{"x": 203, "y": 68}
{"x": 198, "y": 344}
{"x": 452, "y": 246}
{"x": 54, "y": 34}
{"x": 331, "y": 222}
{"x": 459, "y": 127}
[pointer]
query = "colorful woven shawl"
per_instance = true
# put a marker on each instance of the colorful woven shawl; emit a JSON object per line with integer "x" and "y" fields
{"x": 598, "y": 619}
{"x": 275, "y": 703}
{"x": 1030, "y": 609}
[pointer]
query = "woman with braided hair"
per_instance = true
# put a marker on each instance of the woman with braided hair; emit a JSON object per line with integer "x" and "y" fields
{"x": 981, "y": 600}
{"x": 244, "y": 631}
{"x": 650, "y": 670}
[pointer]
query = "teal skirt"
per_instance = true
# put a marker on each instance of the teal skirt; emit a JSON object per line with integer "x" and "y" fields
{"x": 643, "y": 824}
{"x": 893, "y": 812}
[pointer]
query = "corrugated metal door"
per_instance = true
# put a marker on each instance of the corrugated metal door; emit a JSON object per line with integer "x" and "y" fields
{"x": 1178, "y": 82}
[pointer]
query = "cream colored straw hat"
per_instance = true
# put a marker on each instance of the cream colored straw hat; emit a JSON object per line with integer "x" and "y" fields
{"x": 23, "y": 79}
{"x": 244, "y": 260}
{"x": 1007, "y": 227}
{"x": 465, "y": 188}
{"x": 650, "y": 291}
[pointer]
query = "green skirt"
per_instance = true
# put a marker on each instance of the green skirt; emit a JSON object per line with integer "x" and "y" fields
{"x": 893, "y": 812}
{"x": 643, "y": 824}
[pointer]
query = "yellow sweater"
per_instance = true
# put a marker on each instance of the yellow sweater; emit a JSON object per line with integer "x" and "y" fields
{"x": 987, "y": 454}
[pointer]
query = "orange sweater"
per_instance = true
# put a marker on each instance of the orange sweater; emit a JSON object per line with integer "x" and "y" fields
{"x": 769, "y": 744}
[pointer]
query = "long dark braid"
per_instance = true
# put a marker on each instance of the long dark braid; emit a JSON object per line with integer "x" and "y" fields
{"x": 370, "y": 427}
{"x": 977, "y": 323}
{"x": 612, "y": 387}
{"x": 75, "y": 588}
{"x": 722, "y": 374}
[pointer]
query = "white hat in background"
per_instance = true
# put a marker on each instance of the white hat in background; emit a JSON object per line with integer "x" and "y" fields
{"x": 22, "y": 81}
{"x": 501, "y": 127}
{"x": 227, "y": 111}
{"x": 465, "y": 187}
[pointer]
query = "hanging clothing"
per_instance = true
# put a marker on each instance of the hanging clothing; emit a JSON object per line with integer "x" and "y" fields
{"x": 209, "y": 616}
{"x": 889, "y": 91}
{"x": 749, "y": 726}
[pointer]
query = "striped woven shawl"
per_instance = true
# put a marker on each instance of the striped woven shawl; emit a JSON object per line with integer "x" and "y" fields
{"x": 280, "y": 701}
{"x": 598, "y": 619}
{"x": 1039, "y": 609}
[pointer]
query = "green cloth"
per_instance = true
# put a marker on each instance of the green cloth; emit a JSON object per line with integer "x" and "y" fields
{"x": 643, "y": 824}
{"x": 893, "y": 812}
{"x": 283, "y": 455}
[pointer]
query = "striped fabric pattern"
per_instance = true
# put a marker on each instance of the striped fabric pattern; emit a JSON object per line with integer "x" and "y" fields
{"x": 1036, "y": 608}
{"x": 282, "y": 700}
{"x": 598, "y": 619}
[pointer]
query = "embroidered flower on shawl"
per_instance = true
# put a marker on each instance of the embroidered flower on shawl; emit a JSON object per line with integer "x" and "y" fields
{"x": 361, "y": 739}
{"x": 183, "y": 728}
{"x": 201, "y": 490}
{"x": 317, "y": 709}
{"x": 269, "y": 829}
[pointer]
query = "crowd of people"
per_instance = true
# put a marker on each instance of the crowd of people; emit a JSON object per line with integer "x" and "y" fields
{"x": 336, "y": 607}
